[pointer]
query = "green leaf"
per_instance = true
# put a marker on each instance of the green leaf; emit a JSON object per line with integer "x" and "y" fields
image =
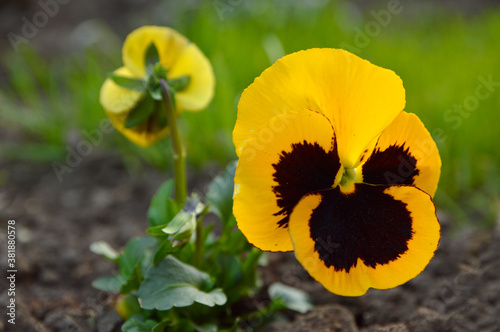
{"x": 292, "y": 298}
{"x": 130, "y": 260}
{"x": 140, "y": 112}
{"x": 205, "y": 327}
{"x": 137, "y": 323}
{"x": 220, "y": 194}
{"x": 249, "y": 266}
{"x": 180, "y": 83}
{"x": 151, "y": 57}
{"x": 109, "y": 283}
{"x": 133, "y": 253}
{"x": 163, "y": 250}
{"x": 127, "y": 306}
{"x": 161, "y": 326}
{"x": 102, "y": 248}
{"x": 163, "y": 208}
{"x": 175, "y": 284}
{"x": 230, "y": 271}
{"x": 128, "y": 82}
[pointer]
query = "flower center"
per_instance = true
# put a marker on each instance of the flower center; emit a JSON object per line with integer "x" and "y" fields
{"x": 347, "y": 181}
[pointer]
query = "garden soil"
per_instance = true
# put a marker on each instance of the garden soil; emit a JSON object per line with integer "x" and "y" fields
{"x": 99, "y": 200}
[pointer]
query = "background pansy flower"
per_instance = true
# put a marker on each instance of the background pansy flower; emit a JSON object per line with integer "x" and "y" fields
{"x": 130, "y": 96}
{"x": 332, "y": 168}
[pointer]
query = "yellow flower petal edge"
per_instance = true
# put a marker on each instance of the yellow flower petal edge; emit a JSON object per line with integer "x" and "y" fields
{"x": 116, "y": 99}
{"x": 269, "y": 178}
{"x": 179, "y": 56}
{"x": 359, "y": 98}
{"x": 348, "y": 254}
{"x": 168, "y": 42}
{"x": 143, "y": 135}
{"x": 200, "y": 91}
{"x": 405, "y": 153}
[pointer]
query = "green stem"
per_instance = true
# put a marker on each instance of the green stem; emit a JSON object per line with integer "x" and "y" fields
{"x": 179, "y": 154}
{"x": 198, "y": 249}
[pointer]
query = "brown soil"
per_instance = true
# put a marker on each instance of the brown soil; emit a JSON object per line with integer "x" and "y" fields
{"x": 57, "y": 221}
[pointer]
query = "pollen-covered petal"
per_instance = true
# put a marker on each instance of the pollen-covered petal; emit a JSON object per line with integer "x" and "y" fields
{"x": 359, "y": 98}
{"x": 144, "y": 134}
{"x": 377, "y": 236}
{"x": 191, "y": 62}
{"x": 117, "y": 99}
{"x": 290, "y": 156}
{"x": 169, "y": 43}
{"x": 405, "y": 153}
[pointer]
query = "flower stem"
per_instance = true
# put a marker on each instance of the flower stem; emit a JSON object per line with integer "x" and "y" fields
{"x": 179, "y": 154}
{"x": 198, "y": 248}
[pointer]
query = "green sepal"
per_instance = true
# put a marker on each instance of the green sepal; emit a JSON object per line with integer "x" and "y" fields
{"x": 140, "y": 112}
{"x": 136, "y": 84}
{"x": 183, "y": 235}
{"x": 151, "y": 57}
{"x": 161, "y": 115}
{"x": 180, "y": 83}
{"x": 157, "y": 231}
{"x": 182, "y": 226}
{"x": 155, "y": 92}
{"x": 179, "y": 220}
{"x": 160, "y": 71}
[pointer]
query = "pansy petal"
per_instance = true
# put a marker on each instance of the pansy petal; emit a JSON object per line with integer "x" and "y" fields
{"x": 290, "y": 156}
{"x": 405, "y": 153}
{"x": 144, "y": 134}
{"x": 376, "y": 237}
{"x": 359, "y": 98}
{"x": 193, "y": 63}
{"x": 117, "y": 99}
{"x": 168, "y": 42}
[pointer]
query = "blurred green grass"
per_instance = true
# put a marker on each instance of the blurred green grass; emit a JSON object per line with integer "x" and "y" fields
{"x": 440, "y": 55}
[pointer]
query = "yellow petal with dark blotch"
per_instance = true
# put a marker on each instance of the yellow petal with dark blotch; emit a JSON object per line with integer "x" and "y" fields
{"x": 405, "y": 153}
{"x": 377, "y": 236}
{"x": 199, "y": 92}
{"x": 117, "y": 99}
{"x": 290, "y": 156}
{"x": 144, "y": 134}
{"x": 359, "y": 98}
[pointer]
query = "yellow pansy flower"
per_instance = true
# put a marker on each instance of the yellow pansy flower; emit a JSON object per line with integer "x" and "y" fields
{"x": 175, "y": 59}
{"x": 330, "y": 166}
